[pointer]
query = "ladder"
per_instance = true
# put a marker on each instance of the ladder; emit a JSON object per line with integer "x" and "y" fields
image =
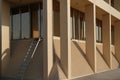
{"x": 27, "y": 59}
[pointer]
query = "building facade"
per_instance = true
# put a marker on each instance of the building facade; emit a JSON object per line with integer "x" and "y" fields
{"x": 61, "y": 39}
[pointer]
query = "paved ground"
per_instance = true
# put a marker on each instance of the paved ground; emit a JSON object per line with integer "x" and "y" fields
{"x": 110, "y": 75}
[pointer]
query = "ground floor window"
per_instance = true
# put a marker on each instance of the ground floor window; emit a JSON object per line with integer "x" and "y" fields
{"x": 98, "y": 30}
{"x": 26, "y": 21}
{"x": 56, "y": 18}
{"x": 112, "y": 35}
{"x": 77, "y": 24}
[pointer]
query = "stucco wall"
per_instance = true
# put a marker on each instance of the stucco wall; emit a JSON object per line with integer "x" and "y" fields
{"x": 19, "y": 50}
{"x": 80, "y": 65}
{"x": 101, "y": 64}
{"x": 115, "y": 63}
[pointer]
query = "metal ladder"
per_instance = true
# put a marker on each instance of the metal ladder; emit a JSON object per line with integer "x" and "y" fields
{"x": 27, "y": 59}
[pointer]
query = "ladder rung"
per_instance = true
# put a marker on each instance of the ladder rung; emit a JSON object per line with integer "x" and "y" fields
{"x": 27, "y": 59}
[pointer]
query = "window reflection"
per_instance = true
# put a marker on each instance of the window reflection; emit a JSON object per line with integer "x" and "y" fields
{"x": 98, "y": 30}
{"x": 16, "y": 26}
{"x": 25, "y": 25}
{"x": 78, "y": 24}
{"x": 26, "y": 21}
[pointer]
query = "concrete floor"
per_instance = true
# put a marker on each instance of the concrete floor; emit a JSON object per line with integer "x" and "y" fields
{"x": 109, "y": 75}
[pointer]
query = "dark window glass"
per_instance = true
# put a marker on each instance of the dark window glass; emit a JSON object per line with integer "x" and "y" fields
{"x": 112, "y": 3}
{"x": 112, "y": 34}
{"x": 98, "y": 30}
{"x": 56, "y": 17}
{"x": 15, "y": 11}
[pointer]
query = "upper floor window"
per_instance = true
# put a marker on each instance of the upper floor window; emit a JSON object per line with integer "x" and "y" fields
{"x": 112, "y": 3}
{"x": 78, "y": 24}
{"x": 98, "y": 30}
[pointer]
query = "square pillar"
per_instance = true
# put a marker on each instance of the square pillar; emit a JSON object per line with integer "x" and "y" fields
{"x": 65, "y": 35}
{"x": 5, "y": 37}
{"x": 117, "y": 40}
{"x": 107, "y": 38}
{"x": 47, "y": 34}
{"x": 91, "y": 35}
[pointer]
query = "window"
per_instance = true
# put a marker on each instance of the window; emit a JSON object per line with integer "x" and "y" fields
{"x": 98, "y": 30}
{"x": 56, "y": 18}
{"x": 112, "y": 34}
{"x": 112, "y": 3}
{"x": 78, "y": 24}
{"x": 15, "y": 23}
{"x": 26, "y": 21}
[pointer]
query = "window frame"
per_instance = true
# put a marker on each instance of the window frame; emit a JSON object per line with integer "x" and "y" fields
{"x": 78, "y": 24}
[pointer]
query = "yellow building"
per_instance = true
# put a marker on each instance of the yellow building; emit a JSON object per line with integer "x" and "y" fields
{"x": 59, "y": 39}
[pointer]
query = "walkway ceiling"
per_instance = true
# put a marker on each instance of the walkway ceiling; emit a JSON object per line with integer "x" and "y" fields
{"x": 20, "y": 2}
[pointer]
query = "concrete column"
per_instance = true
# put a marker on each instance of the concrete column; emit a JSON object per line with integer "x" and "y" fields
{"x": 91, "y": 35}
{"x": 117, "y": 40}
{"x": 107, "y": 38}
{"x": 5, "y": 37}
{"x": 65, "y": 35}
{"x": 47, "y": 34}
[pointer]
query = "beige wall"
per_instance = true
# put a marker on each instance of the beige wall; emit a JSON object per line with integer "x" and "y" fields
{"x": 19, "y": 50}
{"x": 5, "y": 36}
{"x": 115, "y": 62}
{"x": 80, "y": 65}
{"x": 56, "y": 47}
{"x": 101, "y": 64}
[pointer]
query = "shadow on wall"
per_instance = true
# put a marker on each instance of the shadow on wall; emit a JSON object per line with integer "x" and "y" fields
{"x": 54, "y": 74}
{"x": 57, "y": 72}
{"x": 81, "y": 51}
{"x": 116, "y": 58}
{"x": 101, "y": 54}
{"x": 4, "y": 61}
